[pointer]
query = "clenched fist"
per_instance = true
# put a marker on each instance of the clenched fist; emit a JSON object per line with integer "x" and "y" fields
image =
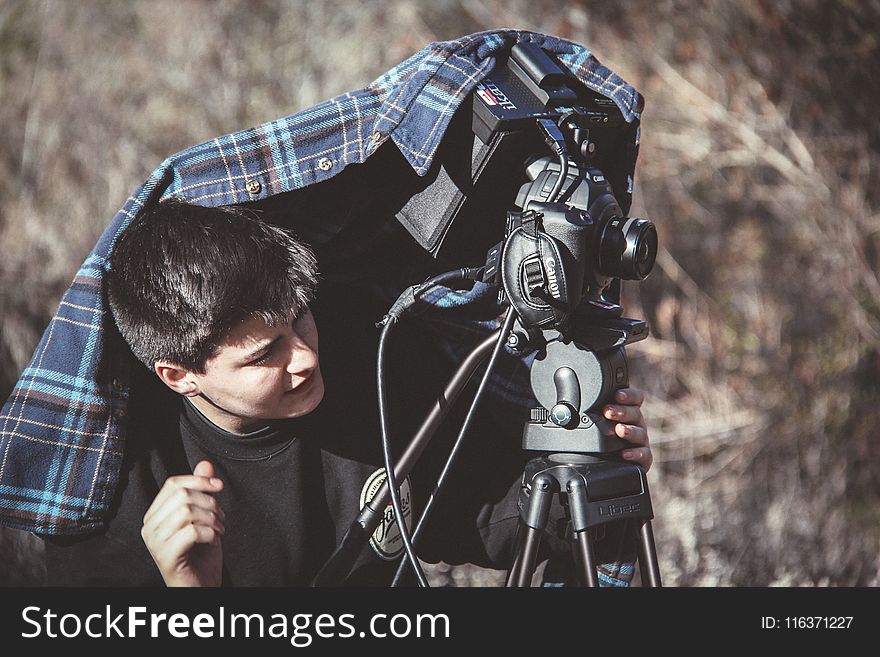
{"x": 183, "y": 526}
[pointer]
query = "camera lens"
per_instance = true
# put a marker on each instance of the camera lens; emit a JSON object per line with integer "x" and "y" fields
{"x": 628, "y": 248}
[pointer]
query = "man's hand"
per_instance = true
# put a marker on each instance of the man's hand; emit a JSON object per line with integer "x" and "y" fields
{"x": 183, "y": 526}
{"x": 630, "y": 425}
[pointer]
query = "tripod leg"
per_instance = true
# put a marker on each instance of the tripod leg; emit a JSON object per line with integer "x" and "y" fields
{"x": 512, "y": 574}
{"x": 648, "y": 564}
{"x": 583, "y": 546}
{"x": 524, "y": 562}
{"x": 583, "y": 554}
{"x": 532, "y": 522}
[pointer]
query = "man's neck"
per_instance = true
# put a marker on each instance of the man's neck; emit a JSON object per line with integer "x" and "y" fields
{"x": 223, "y": 418}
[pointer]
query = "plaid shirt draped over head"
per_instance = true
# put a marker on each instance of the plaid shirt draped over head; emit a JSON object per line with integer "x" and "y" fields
{"x": 62, "y": 430}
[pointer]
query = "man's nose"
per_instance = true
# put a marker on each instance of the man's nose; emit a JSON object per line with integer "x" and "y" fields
{"x": 302, "y": 358}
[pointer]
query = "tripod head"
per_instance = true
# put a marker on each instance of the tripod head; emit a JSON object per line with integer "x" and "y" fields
{"x": 579, "y": 336}
{"x": 572, "y": 383}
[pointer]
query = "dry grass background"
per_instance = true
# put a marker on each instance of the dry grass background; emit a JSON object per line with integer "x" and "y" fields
{"x": 759, "y": 164}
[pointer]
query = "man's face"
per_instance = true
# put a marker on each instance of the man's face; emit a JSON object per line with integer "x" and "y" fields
{"x": 262, "y": 372}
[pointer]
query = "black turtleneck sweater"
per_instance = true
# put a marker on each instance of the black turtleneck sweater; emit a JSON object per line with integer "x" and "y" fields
{"x": 290, "y": 491}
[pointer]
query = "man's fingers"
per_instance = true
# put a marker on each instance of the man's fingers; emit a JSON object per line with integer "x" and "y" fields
{"x": 630, "y": 425}
{"x": 624, "y": 414}
{"x": 632, "y": 433}
{"x": 640, "y": 455}
{"x": 162, "y": 509}
{"x": 173, "y": 485}
{"x": 187, "y": 515}
{"x": 632, "y": 396}
{"x": 181, "y": 542}
{"x": 204, "y": 469}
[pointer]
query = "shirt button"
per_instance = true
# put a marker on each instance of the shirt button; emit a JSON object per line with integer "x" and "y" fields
{"x": 376, "y": 136}
{"x": 253, "y": 187}
{"x": 324, "y": 164}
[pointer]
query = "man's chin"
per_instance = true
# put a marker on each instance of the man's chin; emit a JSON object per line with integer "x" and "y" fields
{"x": 305, "y": 402}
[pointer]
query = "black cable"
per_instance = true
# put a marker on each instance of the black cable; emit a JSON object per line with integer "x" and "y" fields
{"x": 463, "y": 274}
{"x": 388, "y": 323}
{"x": 506, "y": 326}
{"x": 563, "y": 176}
{"x": 404, "y": 302}
{"x": 554, "y": 138}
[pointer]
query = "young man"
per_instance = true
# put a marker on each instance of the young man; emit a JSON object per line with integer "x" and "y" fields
{"x": 243, "y": 468}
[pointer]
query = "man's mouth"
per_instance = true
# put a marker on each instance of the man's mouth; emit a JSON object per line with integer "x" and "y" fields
{"x": 304, "y": 386}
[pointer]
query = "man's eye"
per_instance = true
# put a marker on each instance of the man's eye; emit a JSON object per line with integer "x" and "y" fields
{"x": 262, "y": 359}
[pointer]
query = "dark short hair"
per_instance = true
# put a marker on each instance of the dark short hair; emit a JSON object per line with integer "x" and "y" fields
{"x": 181, "y": 275}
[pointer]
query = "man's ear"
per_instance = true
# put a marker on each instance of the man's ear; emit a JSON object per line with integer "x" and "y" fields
{"x": 179, "y": 379}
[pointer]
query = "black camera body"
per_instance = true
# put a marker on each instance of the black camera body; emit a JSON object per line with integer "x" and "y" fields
{"x": 555, "y": 253}
{"x": 618, "y": 246}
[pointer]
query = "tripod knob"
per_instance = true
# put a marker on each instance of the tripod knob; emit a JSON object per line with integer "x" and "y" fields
{"x": 564, "y": 414}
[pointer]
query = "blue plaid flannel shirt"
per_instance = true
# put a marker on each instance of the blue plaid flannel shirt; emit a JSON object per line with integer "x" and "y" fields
{"x": 62, "y": 430}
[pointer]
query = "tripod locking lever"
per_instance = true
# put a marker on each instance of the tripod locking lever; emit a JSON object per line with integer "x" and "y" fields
{"x": 568, "y": 398}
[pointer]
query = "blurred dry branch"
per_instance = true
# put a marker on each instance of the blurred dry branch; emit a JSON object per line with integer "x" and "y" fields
{"x": 759, "y": 164}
